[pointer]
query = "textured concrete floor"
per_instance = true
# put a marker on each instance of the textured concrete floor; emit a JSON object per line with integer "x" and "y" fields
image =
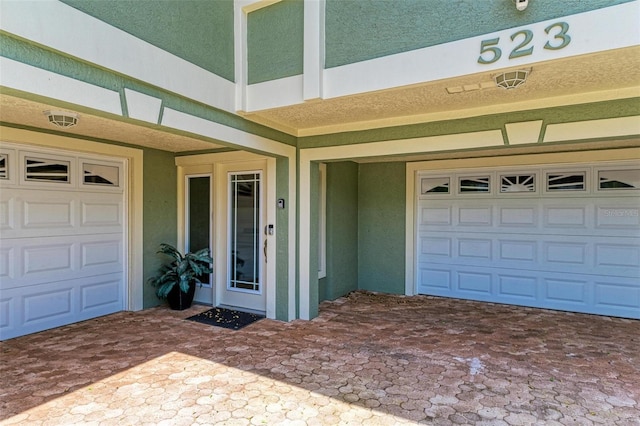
{"x": 367, "y": 360}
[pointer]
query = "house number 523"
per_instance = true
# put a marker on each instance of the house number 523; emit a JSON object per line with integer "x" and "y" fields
{"x": 557, "y": 38}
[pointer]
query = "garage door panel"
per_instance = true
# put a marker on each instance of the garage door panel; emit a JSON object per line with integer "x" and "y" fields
{"x": 562, "y": 291}
{"x": 617, "y": 294}
{"x": 617, "y": 215}
{"x": 566, "y": 254}
{"x": 517, "y": 288}
{"x": 520, "y": 217}
{"x": 52, "y": 214}
{"x": 517, "y": 252}
{"x": 100, "y": 295}
{"x": 47, "y": 302}
{"x": 47, "y": 259}
{"x": 7, "y": 214}
{"x": 435, "y": 279}
{"x": 475, "y": 216}
{"x": 475, "y": 249}
{"x": 101, "y": 256}
{"x": 101, "y": 214}
{"x": 436, "y": 216}
{"x": 566, "y": 217}
{"x": 431, "y": 246}
{"x": 475, "y": 283}
{"x": 622, "y": 256}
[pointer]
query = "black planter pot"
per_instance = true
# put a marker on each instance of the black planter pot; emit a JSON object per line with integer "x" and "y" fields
{"x": 179, "y": 300}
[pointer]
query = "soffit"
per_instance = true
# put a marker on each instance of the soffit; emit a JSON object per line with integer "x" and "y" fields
{"x": 589, "y": 78}
{"x": 28, "y": 113}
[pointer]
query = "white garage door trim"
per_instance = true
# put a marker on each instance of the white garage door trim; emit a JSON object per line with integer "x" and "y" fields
{"x": 563, "y": 240}
{"x": 64, "y": 238}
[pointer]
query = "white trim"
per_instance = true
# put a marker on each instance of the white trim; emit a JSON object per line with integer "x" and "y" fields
{"x": 142, "y": 107}
{"x": 240, "y": 52}
{"x": 270, "y": 205}
{"x": 593, "y": 129}
{"x": 275, "y": 93}
{"x": 68, "y": 30}
{"x": 26, "y": 78}
{"x": 523, "y": 132}
{"x": 243, "y": 140}
{"x": 590, "y": 33}
{"x": 322, "y": 227}
{"x": 314, "y": 42}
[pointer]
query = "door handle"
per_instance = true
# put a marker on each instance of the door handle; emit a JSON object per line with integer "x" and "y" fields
{"x": 265, "y": 250}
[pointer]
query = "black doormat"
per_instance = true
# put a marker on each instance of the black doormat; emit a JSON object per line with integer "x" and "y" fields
{"x": 227, "y": 318}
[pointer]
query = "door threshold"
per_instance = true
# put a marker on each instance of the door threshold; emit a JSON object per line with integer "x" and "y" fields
{"x": 241, "y": 309}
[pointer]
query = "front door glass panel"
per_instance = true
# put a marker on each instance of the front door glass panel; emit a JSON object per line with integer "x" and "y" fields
{"x": 245, "y": 225}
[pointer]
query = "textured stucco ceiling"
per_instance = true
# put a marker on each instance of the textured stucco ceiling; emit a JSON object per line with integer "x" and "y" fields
{"x": 585, "y": 78}
{"x": 22, "y": 112}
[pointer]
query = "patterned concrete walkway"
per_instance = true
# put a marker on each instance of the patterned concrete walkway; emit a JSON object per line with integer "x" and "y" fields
{"x": 367, "y": 360}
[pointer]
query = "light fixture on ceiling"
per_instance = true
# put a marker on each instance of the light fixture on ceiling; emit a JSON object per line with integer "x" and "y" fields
{"x": 511, "y": 79}
{"x": 63, "y": 119}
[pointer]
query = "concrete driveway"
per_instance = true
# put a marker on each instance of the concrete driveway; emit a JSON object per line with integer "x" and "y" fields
{"x": 368, "y": 359}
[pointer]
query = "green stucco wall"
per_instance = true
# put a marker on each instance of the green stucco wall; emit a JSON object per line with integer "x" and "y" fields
{"x": 159, "y": 214}
{"x": 275, "y": 41}
{"x": 361, "y": 30}
{"x": 282, "y": 239}
{"x": 381, "y": 227}
{"x": 342, "y": 230}
{"x": 197, "y": 31}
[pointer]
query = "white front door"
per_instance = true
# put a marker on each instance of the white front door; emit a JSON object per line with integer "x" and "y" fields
{"x": 246, "y": 240}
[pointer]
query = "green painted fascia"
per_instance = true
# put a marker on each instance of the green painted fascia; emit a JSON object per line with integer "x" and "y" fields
{"x": 160, "y": 219}
{"x": 381, "y": 222}
{"x": 275, "y": 41}
{"x": 360, "y": 30}
{"x": 563, "y": 114}
{"x": 200, "y": 32}
{"x": 47, "y": 59}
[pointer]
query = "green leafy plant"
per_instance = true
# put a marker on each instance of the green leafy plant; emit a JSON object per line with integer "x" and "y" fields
{"x": 183, "y": 271}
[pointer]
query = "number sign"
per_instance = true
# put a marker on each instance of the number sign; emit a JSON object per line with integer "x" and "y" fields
{"x": 557, "y": 38}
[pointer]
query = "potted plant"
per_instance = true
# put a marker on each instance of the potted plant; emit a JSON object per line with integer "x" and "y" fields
{"x": 176, "y": 281}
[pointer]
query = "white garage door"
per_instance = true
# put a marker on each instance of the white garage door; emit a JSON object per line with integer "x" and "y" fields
{"x": 564, "y": 238}
{"x": 62, "y": 249}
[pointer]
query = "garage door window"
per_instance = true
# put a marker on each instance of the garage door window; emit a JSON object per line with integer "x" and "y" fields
{"x": 47, "y": 170}
{"x": 438, "y": 185}
{"x": 4, "y": 166}
{"x": 571, "y": 181}
{"x": 619, "y": 179}
{"x": 474, "y": 184}
{"x": 518, "y": 183}
{"x": 100, "y": 174}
